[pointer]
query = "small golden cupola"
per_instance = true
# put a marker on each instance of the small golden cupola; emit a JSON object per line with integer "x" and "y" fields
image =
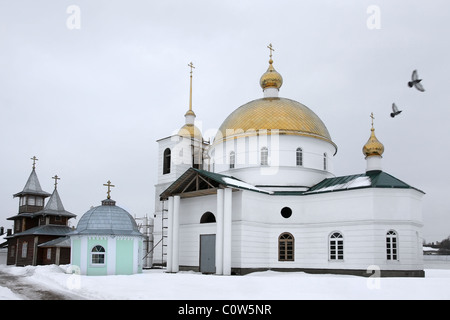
{"x": 271, "y": 79}
{"x": 373, "y": 150}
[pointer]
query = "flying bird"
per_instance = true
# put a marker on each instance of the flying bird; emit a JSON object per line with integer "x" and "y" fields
{"x": 395, "y": 111}
{"x": 415, "y": 81}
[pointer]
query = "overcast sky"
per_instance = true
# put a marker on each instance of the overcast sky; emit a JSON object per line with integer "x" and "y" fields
{"x": 90, "y": 102}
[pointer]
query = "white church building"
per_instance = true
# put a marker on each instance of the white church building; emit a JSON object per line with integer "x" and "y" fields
{"x": 262, "y": 196}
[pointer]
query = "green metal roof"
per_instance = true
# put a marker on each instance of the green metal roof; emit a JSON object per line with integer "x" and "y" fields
{"x": 185, "y": 185}
{"x": 370, "y": 179}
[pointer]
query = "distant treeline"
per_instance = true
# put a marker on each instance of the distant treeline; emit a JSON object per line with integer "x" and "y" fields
{"x": 443, "y": 246}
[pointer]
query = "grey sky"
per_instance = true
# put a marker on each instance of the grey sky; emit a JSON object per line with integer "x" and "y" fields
{"x": 90, "y": 103}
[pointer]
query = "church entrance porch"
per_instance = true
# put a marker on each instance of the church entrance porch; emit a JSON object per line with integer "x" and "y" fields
{"x": 207, "y": 253}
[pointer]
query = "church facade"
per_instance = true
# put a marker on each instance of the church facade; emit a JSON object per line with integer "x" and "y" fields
{"x": 262, "y": 195}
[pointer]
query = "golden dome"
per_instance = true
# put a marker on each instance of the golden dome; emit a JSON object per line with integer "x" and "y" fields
{"x": 373, "y": 147}
{"x": 190, "y": 112}
{"x": 271, "y": 78}
{"x": 288, "y": 116}
{"x": 190, "y": 131}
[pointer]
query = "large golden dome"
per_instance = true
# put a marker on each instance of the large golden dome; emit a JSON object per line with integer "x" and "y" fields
{"x": 288, "y": 116}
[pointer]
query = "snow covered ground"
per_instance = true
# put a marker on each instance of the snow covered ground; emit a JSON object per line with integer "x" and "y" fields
{"x": 268, "y": 285}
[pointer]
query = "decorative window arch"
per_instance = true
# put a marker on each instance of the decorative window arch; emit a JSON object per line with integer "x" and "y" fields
{"x": 98, "y": 255}
{"x": 232, "y": 159}
{"x": 166, "y": 161}
{"x": 299, "y": 157}
{"x": 286, "y": 244}
{"x": 336, "y": 246}
{"x": 325, "y": 162}
{"x": 264, "y": 156}
{"x": 391, "y": 245}
{"x": 208, "y": 217}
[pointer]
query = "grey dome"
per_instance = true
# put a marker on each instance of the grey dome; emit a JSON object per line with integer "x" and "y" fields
{"x": 107, "y": 219}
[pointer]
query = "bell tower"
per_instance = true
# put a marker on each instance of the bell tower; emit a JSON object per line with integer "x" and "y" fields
{"x": 177, "y": 153}
{"x": 31, "y": 198}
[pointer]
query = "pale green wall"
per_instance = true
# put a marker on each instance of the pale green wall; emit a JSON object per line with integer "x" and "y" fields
{"x": 76, "y": 252}
{"x": 97, "y": 270}
{"x": 124, "y": 256}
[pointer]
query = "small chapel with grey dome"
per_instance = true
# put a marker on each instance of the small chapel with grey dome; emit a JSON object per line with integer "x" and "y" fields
{"x": 107, "y": 241}
{"x": 263, "y": 196}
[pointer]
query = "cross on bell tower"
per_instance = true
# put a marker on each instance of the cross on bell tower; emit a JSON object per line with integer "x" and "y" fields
{"x": 56, "y": 178}
{"x": 34, "y": 161}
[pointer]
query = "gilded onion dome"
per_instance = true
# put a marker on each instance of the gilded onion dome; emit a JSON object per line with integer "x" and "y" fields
{"x": 373, "y": 147}
{"x": 271, "y": 78}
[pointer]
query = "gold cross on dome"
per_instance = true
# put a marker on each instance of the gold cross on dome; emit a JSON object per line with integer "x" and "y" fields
{"x": 34, "y": 161}
{"x": 56, "y": 178}
{"x": 271, "y": 49}
{"x": 371, "y": 115}
{"x": 109, "y": 185}
{"x": 191, "y": 65}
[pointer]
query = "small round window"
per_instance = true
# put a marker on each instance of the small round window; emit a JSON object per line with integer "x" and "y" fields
{"x": 286, "y": 212}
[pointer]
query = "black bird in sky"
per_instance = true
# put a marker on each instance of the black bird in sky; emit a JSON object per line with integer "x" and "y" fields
{"x": 395, "y": 111}
{"x": 415, "y": 81}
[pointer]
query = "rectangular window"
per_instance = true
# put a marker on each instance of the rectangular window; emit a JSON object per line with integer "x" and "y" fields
{"x": 49, "y": 253}
{"x": 39, "y": 201}
{"x": 98, "y": 258}
{"x": 31, "y": 201}
{"x": 24, "y": 249}
{"x": 264, "y": 156}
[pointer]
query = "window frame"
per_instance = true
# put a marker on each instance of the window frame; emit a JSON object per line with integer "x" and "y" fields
{"x": 334, "y": 252}
{"x": 299, "y": 157}
{"x": 167, "y": 160}
{"x": 264, "y": 156}
{"x": 24, "y": 251}
{"x": 97, "y": 255}
{"x": 285, "y": 253}
{"x": 232, "y": 160}
{"x": 392, "y": 245}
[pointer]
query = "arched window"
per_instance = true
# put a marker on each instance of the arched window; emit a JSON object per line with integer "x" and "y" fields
{"x": 232, "y": 159}
{"x": 336, "y": 248}
{"x": 286, "y": 247}
{"x": 98, "y": 255}
{"x": 325, "y": 164}
{"x": 166, "y": 161}
{"x": 208, "y": 217}
{"x": 299, "y": 157}
{"x": 391, "y": 245}
{"x": 264, "y": 156}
